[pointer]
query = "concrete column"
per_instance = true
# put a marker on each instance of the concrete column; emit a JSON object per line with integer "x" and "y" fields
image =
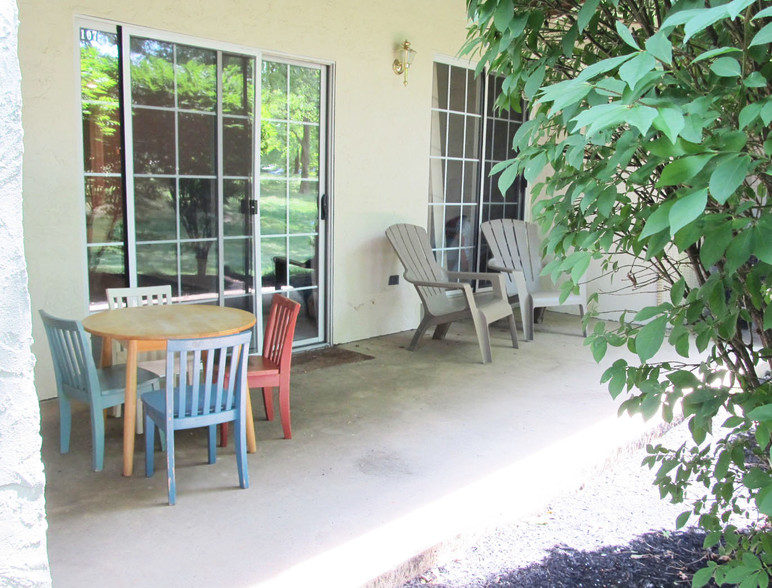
{"x": 23, "y": 556}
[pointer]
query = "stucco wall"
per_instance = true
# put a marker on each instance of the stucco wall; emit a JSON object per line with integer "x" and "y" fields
{"x": 381, "y": 135}
{"x": 23, "y": 559}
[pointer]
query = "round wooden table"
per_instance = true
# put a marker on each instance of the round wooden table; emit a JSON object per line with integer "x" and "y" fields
{"x": 147, "y": 328}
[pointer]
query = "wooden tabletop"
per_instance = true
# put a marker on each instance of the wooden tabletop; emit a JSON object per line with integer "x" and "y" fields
{"x": 168, "y": 321}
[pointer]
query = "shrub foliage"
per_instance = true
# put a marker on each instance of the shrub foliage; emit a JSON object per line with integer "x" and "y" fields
{"x": 648, "y": 148}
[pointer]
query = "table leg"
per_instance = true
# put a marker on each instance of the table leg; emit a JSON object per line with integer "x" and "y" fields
{"x": 130, "y": 408}
{"x": 251, "y": 441}
{"x": 106, "y": 358}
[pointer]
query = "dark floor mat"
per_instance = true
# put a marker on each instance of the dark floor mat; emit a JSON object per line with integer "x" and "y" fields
{"x": 323, "y": 358}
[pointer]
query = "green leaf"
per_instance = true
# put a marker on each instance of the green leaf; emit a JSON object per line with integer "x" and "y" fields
{"x": 766, "y": 112}
{"x": 507, "y": 177}
{"x": 603, "y": 66}
{"x": 650, "y": 338}
{"x": 599, "y": 346}
{"x": 756, "y": 478}
{"x": 658, "y": 221}
{"x": 677, "y": 291}
{"x": 641, "y": 117}
{"x": 755, "y": 80}
{"x": 764, "y": 500}
{"x": 761, "y": 413}
{"x": 632, "y": 71}
{"x": 764, "y": 36}
{"x": 670, "y": 121}
{"x": 763, "y": 13}
{"x": 586, "y": 13}
{"x": 749, "y": 114}
{"x": 702, "y": 577}
{"x": 682, "y": 519}
{"x": 715, "y": 52}
{"x": 683, "y": 169}
{"x": 686, "y": 209}
{"x": 728, "y": 176}
{"x": 660, "y": 47}
{"x": 715, "y": 244}
{"x": 625, "y": 34}
{"x": 534, "y": 82}
{"x": 503, "y": 16}
{"x": 726, "y": 67}
{"x": 564, "y": 94}
{"x": 684, "y": 379}
{"x": 739, "y": 251}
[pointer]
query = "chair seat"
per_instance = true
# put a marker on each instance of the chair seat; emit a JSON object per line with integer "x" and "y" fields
{"x": 266, "y": 367}
{"x": 552, "y": 298}
{"x": 113, "y": 378}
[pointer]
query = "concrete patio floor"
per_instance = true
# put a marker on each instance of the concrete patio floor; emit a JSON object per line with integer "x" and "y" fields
{"x": 392, "y": 459}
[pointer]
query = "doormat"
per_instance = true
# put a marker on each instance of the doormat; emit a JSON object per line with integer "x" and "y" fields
{"x": 324, "y": 358}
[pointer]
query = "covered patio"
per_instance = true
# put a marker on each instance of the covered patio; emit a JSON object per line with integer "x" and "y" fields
{"x": 393, "y": 459}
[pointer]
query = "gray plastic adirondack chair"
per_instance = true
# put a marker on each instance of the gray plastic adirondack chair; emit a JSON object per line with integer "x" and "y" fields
{"x": 516, "y": 249}
{"x": 446, "y": 299}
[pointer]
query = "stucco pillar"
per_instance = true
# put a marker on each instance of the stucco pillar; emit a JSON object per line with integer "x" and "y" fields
{"x": 23, "y": 557}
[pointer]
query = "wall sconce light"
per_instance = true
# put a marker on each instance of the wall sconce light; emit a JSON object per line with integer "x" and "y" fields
{"x": 404, "y": 61}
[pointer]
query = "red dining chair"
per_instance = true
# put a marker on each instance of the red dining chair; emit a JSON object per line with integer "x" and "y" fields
{"x": 272, "y": 368}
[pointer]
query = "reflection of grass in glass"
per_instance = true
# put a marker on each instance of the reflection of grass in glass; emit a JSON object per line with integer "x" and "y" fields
{"x": 303, "y": 210}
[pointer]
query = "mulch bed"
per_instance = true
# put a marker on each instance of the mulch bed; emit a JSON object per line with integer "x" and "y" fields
{"x": 653, "y": 560}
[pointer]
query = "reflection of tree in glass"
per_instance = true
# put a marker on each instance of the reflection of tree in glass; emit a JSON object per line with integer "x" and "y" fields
{"x": 299, "y": 105}
{"x": 102, "y": 149}
{"x": 152, "y": 72}
{"x": 198, "y": 217}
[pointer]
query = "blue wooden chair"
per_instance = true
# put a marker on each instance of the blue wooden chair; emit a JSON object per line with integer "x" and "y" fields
{"x": 78, "y": 378}
{"x": 213, "y": 394}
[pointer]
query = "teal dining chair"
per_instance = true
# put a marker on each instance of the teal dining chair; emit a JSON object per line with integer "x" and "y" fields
{"x": 213, "y": 394}
{"x": 78, "y": 378}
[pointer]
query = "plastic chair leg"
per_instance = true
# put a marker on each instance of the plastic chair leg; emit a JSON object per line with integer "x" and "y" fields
{"x": 65, "y": 423}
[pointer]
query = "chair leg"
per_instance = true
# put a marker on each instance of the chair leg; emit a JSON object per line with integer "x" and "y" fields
{"x": 241, "y": 450}
{"x": 212, "y": 443}
{"x": 581, "y": 318}
{"x": 441, "y": 331}
{"x": 513, "y": 331}
{"x": 139, "y": 427}
{"x": 149, "y": 446}
{"x": 419, "y": 332}
{"x": 97, "y": 438}
{"x": 224, "y": 435}
{"x": 526, "y": 314}
{"x": 65, "y": 423}
{"x": 171, "y": 482}
{"x": 483, "y": 338}
{"x": 268, "y": 402}
{"x": 284, "y": 408}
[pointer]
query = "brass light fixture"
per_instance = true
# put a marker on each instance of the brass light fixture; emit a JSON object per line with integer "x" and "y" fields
{"x": 404, "y": 61}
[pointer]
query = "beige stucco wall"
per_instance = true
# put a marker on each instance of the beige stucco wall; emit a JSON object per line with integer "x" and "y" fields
{"x": 23, "y": 556}
{"x": 381, "y": 135}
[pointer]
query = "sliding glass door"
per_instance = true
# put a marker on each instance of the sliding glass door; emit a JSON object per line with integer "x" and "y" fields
{"x": 213, "y": 179}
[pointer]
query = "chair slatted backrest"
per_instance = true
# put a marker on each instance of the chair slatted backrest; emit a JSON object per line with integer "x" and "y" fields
{"x": 411, "y": 243}
{"x": 143, "y": 296}
{"x": 74, "y": 366}
{"x": 206, "y": 390}
{"x": 516, "y": 244}
{"x": 280, "y": 331}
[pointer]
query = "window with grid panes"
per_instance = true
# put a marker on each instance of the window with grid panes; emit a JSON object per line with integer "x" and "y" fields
{"x": 469, "y": 136}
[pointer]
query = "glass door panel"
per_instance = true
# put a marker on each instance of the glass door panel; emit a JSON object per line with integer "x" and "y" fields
{"x": 191, "y": 174}
{"x": 290, "y": 197}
